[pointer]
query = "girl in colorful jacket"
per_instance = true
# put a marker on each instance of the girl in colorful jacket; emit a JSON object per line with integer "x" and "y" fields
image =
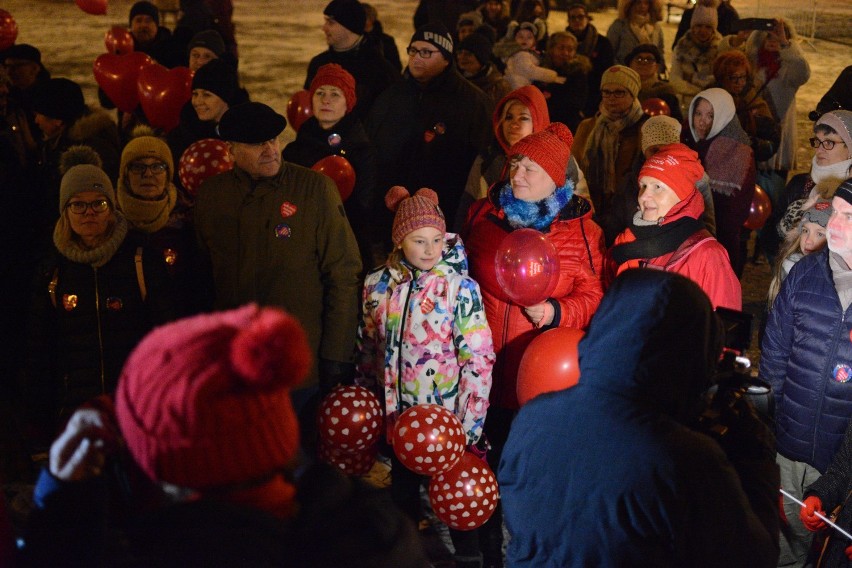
{"x": 424, "y": 339}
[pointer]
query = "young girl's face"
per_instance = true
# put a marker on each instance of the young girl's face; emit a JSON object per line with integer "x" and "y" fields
{"x": 813, "y": 238}
{"x": 525, "y": 39}
{"x": 423, "y": 248}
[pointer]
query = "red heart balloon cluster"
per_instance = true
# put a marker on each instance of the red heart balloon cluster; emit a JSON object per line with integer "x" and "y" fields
{"x": 350, "y": 421}
{"x": 162, "y": 94}
{"x": 428, "y": 439}
{"x": 118, "y": 76}
{"x": 8, "y": 30}
{"x": 527, "y": 266}
{"x": 465, "y": 496}
{"x": 299, "y": 109}
{"x": 203, "y": 159}
{"x": 118, "y": 40}
{"x": 341, "y": 173}
{"x": 550, "y": 363}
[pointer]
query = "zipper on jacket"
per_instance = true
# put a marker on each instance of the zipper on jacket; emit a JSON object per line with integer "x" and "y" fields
{"x": 399, "y": 356}
{"x": 100, "y": 333}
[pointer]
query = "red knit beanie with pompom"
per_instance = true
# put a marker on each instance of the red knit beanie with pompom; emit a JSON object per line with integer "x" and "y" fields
{"x": 204, "y": 402}
{"x": 549, "y": 148}
{"x": 413, "y": 212}
{"x": 336, "y": 76}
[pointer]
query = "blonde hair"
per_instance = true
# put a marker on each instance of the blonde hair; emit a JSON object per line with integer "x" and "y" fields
{"x": 655, "y": 9}
{"x": 791, "y": 245}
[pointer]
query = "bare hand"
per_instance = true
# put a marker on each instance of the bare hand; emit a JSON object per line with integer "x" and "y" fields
{"x": 540, "y": 314}
{"x": 560, "y": 80}
{"x": 80, "y": 451}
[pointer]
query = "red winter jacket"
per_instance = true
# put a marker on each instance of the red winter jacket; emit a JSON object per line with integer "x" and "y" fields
{"x": 580, "y": 244}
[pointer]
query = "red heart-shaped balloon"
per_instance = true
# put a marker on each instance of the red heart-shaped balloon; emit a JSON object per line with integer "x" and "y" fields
{"x": 118, "y": 40}
{"x": 162, "y": 93}
{"x": 8, "y": 30}
{"x": 95, "y": 7}
{"x": 117, "y": 76}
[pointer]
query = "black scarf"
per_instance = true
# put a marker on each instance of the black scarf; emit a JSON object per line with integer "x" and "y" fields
{"x": 656, "y": 240}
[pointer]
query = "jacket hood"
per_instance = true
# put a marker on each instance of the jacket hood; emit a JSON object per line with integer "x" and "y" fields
{"x": 724, "y": 110}
{"x": 692, "y": 206}
{"x": 533, "y": 99}
{"x": 667, "y": 338}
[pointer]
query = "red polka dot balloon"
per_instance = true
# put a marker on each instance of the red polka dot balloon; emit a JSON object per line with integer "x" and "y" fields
{"x": 351, "y": 463}
{"x": 428, "y": 439}
{"x": 350, "y": 419}
{"x": 203, "y": 159}
{"x": 465, "y": 496}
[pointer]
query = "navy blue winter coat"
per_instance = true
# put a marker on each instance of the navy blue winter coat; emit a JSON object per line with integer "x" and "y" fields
{"x": 607, "y": 473}
{"x": 806, "y": 356}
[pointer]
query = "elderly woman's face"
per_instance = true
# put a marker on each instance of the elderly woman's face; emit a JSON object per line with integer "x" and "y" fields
{"x": 93, "y": 223}
{"x": 656, "y": 198}
{"x": 148, "y": 178}
{"x": 702, "y": 119}
{"x": 735, "y": 80}
{"x": 530, "y": 182}
{"x": 517, "y": 122}
{"x": 838, "y": 153}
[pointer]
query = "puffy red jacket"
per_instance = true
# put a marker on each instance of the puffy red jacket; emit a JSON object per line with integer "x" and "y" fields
{"x": 580, "y": 244}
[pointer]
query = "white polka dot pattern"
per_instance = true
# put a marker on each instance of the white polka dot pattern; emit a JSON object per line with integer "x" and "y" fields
{"x": 350, "y": 419}
{"x": 428, "y": 439}
{"x": 465, "y": 496}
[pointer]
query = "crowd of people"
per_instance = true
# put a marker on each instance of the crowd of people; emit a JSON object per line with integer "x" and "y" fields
{"x": 179, "y": 340}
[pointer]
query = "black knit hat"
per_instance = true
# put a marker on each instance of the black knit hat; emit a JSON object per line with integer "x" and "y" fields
{"x": 478, "y": 45}
{"x": 844, "y": 191}
{"x": 643, "y": 48}
{"x": 348, "y": 13}
{"x": 211, "y": 39}
{"x": 145, "y": 8}
{"x": 59, "y": 98}
{"x": 437, "y": 34}
{"x": 250, "y": 123}
{"x": 219, "y": 78}
{"x": 23, "y": 51}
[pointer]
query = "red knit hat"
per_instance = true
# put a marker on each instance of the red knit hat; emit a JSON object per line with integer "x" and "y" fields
{"x": 676, "y": 166}
{"x": 413, "y": 212}
{"x": 204, "y": 402}
{"x": 336, "y": 76}
{"x": 549, "y": 148}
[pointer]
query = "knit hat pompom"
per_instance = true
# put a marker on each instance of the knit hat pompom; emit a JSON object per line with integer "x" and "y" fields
{"x": 413, "y": 212}
{"x": 549, "y": 148}
{"x": 273, "y": 349}
{"x": 78, "y": 155}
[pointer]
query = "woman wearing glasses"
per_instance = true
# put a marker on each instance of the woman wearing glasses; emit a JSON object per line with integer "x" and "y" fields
{"x": 831, "y": 164}
{"x": 96, "y": 297}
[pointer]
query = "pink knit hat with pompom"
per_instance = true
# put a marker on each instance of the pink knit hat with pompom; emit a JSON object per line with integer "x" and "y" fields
{"x": 413, "y": 212}
{"x": 204, "y": 402}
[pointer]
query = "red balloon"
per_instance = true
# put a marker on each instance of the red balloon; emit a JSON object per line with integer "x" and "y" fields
{"x": 117, "y": 75}
{"x": 350, "y": 419}
{"x": 341, "y": 173}
{"x": 201, "y": 160}
{"x": 118, "y": 40}
{"x": 8, "y": 30}
{"x": 527, "y": 266}
{"x": 550, "y": 363}
{"x": 428, "y": 439}
{"x": 759, "y": 211}
{"x": 465, "y": 496}
{"x": 655, "y": 107}
{"x": 351, "y": 463}
{"x": 162, "y": 93}
{"x": 95, "y": 7}
{"x": 299, "y": 109}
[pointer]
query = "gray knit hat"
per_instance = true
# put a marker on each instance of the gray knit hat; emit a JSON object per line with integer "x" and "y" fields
{"x": 841, "y": 121}
{"x": 84, "y": 177}
{"x": 817, "y": 213}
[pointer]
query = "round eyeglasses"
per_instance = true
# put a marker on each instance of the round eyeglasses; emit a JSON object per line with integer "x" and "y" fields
{"x": 80, "y": 207}
{"x": 424, "y": 53}
{"x": 827, "y": 144}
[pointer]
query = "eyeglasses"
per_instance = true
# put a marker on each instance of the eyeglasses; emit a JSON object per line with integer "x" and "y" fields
{"x": 737, "y": 78}
{"x": 614, "y": 94}
{"x": 641, "y": 59}
{"x": 424, "y": 53}
{"x": 827, "y": 144}
{"x": 80, "y": 207}
{"x": 139, "y": 168}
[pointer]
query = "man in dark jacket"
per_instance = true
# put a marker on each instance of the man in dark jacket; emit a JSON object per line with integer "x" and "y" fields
{"x": 276, "y": 234}
{"x": 428, "y": 128}
{"x": 806, "y": 356}
{"x": 611, "y": 473}
{"x": 352, "y": 49}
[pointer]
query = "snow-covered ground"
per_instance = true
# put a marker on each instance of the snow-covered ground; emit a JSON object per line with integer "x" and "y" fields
{"x": 277, "y": 38}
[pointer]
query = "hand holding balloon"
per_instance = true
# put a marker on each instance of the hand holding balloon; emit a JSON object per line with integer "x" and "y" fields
{"x": 541, "y": 314}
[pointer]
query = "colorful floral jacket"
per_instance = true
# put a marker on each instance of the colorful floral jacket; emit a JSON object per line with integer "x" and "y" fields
{"x": 424, "y": 336}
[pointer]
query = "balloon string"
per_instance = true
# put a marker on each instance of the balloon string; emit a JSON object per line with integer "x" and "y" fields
{"x": 819, "y": 515}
